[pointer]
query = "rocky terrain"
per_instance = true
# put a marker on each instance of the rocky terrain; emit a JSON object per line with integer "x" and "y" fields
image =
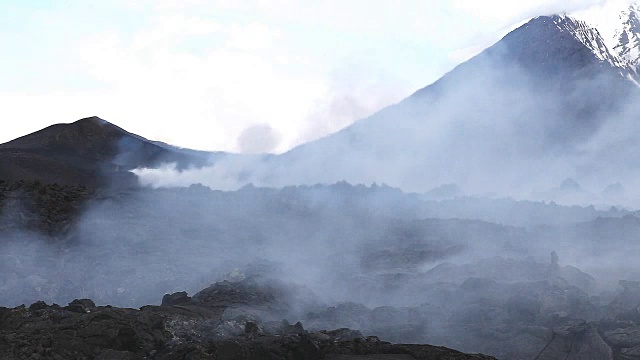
{"x": 34, "y": 206}
{"x": 471, "y": 285}
{"x": 223, "y": 321}
{"x": 247, "y": 320}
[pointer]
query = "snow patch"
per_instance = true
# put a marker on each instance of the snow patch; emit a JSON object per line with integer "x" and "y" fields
{"x": 619, "y": 24}
{"x": 590, "y": 37}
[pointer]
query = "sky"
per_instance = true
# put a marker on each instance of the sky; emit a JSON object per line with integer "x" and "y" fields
{"x": 242, "y": 76}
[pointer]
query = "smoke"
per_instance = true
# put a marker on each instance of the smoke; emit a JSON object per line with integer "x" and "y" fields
{"x": 357, "y": 89}
{"x": 448, "y": 271}
{"x": 368, "y": 257}
{"x": 496, "y": 125}
{"x": 227, "y": 173}
{"x": 258, "y": 139}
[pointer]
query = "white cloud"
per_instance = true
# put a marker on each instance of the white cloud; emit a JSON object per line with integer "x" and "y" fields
{"x": 513, "y": 11}
{"x": 253, "y": 36}
{"x": 605, "y": 16}
{"x": 204, "y": 100}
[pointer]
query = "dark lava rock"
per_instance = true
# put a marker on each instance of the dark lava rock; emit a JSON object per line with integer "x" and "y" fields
{"x": 48, "y": 208}
{"x": 226, "y": 293}
{"x": 38, "y": 305}
{"x": 178, "y": 298}
{"x": 81, "y": 306}
{"x": 198, "y": 329}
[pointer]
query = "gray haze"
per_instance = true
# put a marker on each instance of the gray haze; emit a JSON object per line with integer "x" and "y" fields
{"x": 130, "y": 248}
{"x": 354, "y": 250}
{"x": 494, "y": 125}
{"x": 443, "y": 241}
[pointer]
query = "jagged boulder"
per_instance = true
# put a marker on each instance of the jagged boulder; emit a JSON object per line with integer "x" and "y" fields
{"x": 628, "y": 300}
{"x": 178, "y": 298}
{"x": 577, "y": 340}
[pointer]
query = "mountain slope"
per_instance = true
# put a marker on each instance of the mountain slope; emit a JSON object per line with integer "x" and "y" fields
{"x": 509, "y": 118}
{"x": 90, "y": 151}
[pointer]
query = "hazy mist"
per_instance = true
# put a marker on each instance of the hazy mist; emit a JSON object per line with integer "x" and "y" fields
{"x": 492, "y": 126}
{"x": 500, "y": 197}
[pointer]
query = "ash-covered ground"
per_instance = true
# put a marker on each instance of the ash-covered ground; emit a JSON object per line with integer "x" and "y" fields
{"x": 511, "y": 279}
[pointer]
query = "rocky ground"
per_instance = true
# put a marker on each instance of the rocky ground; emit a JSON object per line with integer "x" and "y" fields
{"x": 127, "y": 248}
{"x": 47, "y": 208}
{"x": 224, "y": 321}
{"x": 548, "y": 319}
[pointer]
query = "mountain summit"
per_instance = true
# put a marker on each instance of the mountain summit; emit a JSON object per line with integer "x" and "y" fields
{"x": 587, "y": 35}
{"x": 92, "y": 136}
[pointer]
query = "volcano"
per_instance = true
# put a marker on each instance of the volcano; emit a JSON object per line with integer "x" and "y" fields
{"x": 553, "y": 96}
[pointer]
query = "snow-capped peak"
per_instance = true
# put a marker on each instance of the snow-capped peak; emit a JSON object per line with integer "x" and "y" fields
{"x": 627, "y": 38}
{"x": 618, "y": 22}
{"x": 619, "y": 25}
{"x": 588, "y": 35}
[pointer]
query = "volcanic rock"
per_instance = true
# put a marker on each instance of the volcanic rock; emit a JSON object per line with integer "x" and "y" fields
{"x": 194, "y": 330}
